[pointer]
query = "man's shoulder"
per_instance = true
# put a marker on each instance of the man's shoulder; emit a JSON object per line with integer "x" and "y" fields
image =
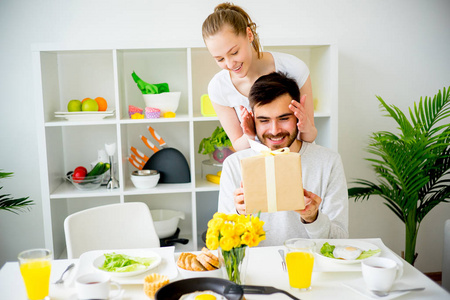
{"x": 238, "y": 155}
{"x": 318, "y": 150}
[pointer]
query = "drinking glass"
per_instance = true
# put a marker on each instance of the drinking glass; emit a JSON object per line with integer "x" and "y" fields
{"x": 35, "y": 266}
{"x": 300, "y": 262}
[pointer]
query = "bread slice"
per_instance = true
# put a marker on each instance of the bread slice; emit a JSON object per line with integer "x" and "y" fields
{"x": 197, "y": 266}
{"x": 188, "y": 261}
{"x": 180, "y": 261}
{"x": 210, "y": 258}
{"x": 203, "y": 259}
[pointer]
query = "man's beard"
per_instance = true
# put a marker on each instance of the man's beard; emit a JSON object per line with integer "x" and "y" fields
{"x": 291, "y": 138}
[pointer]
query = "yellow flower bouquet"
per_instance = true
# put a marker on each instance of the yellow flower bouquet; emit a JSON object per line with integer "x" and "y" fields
{"x": 234, "y": 234}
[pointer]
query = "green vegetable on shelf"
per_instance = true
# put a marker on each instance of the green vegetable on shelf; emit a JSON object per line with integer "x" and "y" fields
{"x": 218, "y": 138}
{"x": 98, "y": 169}
{"x": 148, "y": 88}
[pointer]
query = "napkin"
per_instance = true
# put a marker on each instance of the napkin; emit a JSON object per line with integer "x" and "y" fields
{"x": 359, "y": 286}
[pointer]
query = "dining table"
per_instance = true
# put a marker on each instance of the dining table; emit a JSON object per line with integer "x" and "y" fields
{"x": 330, "y": 280}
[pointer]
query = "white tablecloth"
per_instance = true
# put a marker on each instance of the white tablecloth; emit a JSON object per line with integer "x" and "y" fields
{"x": 264, "y": 269}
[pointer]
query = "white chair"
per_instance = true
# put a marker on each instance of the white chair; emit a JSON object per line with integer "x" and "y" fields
{"x": 446, "y": 257}
{"x": 109, "y": 227}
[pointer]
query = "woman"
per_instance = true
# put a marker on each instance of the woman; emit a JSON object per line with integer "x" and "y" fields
{"x": 231, "y": 38}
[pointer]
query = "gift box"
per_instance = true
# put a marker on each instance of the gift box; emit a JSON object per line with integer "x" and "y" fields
{"x": 273, "y": 181}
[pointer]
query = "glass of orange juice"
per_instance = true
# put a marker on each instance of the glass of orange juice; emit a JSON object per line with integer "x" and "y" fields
{"x": 35, "y": 266}
{"x": 300, "y": 262}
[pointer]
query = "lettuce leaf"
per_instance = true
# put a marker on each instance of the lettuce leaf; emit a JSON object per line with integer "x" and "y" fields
{"x": 124, "y": 263}
{"x": 368, "y": 253}
{"x": 327, "y": 250}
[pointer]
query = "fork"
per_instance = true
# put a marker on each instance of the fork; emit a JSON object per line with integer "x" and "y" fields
{"x": 384, "y": 294}
{"x": 61, "y": 280}
{"x": 283, "y": 262}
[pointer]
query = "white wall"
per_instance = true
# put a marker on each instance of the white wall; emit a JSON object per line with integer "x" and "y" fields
{"x": 396, "y": 49}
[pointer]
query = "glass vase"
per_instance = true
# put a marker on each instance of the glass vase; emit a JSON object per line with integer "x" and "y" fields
{"x": 234, "y": 263}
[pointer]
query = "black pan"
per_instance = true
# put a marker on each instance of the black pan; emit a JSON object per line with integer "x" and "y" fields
{"x": 174, "y": 290}
{"x": 170, "y": 162}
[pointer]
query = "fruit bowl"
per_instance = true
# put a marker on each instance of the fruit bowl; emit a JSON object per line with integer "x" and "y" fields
{"x": 86, "y": 184}
{"x": 165, "y": 102}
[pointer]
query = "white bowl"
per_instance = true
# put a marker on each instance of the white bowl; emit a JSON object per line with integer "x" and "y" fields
{"x": 165, "y": 102}
{"x": 145, "y": 179}
{"x": 166, "y": 221}
{"x": 218, "y": 273}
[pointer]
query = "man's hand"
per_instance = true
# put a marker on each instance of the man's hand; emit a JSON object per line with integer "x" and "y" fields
{"x": 247, "y": 123}
{"x": 239, "y": 200}
{"x": 312, "y": 202}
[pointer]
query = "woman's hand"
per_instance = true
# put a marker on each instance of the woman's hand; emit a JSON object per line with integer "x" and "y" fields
{"x": 239, "y": 202}
{"x": 304, "y": 124}
{"x": 247, "y": 123}
{"x": 312, "y": 202}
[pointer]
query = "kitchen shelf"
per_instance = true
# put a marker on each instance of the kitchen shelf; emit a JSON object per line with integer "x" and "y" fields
{"x": 63, "y": 72}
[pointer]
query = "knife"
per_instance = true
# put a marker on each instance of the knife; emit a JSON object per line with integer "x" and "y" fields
{"x": 149, "y": 144}
{"x": 138, "y": 160}
{"x": 264, "y": 290}
{"x": 157, "y": 137}
{"x": 134, "y": 164}
{"x": 139, "y": 153}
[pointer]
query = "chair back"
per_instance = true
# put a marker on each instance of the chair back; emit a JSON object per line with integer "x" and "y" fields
{"x": 109, "y": 227}
{"x": 446, "y": 257}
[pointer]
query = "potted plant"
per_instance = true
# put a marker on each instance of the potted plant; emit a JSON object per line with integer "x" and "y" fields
{"x": 218, "y": 145}
{"x": 413, "y": 166}
{"x": 10, "y": 204}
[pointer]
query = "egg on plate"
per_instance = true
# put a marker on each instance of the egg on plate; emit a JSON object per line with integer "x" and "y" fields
{"x": 346, "y": 252}
{"x": 203, "y": 295}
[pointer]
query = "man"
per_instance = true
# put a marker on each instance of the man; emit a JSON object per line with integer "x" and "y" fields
{"x": 326, "y": 198}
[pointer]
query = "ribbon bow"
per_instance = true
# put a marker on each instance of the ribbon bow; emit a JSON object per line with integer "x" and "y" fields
{"x": 264, "y": 150}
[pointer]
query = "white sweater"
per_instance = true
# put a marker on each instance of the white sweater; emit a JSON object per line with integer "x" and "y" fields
{"x": 323, "y": 174}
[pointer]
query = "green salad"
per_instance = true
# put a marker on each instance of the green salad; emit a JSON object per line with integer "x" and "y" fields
{"x": 124, "y": 263}
{"x": 327, "y": 250}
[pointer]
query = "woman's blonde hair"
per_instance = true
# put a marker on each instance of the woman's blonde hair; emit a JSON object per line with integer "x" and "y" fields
{"x": 234, "y": 16}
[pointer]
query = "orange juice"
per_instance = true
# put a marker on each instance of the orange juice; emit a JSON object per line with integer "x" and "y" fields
{"x": 300, "y": 266}
{"x": 36, "y": 275}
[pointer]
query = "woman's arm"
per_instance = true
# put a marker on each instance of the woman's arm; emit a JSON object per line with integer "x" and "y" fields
{"x": 230, "y": 123}
{"x": 304, "y": 111}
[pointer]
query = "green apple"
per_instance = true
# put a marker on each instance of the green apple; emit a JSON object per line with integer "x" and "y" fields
{"x": 74, "y": 105}
{"x": 89, "y": 105}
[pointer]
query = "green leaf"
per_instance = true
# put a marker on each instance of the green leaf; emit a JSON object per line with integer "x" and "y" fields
{"x": 413, "y": 164}
{"x": 124, "y": 263}
{"x": 218, "y": 138}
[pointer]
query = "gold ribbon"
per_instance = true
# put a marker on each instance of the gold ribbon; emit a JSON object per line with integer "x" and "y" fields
{"x": 271, "y": 187}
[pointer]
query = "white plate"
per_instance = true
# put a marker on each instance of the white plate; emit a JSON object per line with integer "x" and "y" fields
{"x": 98, "y": 262}
{"x": 166, "y": 267}
{"x": 84, "y": 112}
{"x": 84, "y": 116}
{"x": 358, "y": 244}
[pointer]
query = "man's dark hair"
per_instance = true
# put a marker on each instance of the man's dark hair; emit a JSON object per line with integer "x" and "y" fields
{"x": 271, "y": 86}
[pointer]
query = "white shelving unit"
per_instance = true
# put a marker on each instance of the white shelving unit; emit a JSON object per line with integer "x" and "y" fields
{"x": 65, "y": 72}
